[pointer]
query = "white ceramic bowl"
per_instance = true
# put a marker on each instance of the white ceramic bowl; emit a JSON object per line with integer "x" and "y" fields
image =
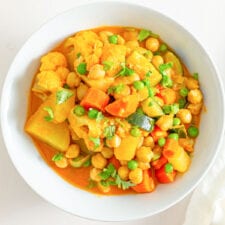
{"x": 43, "y": 179}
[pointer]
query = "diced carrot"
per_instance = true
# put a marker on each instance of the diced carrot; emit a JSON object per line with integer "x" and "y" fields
{"x": 147, "y": 184}
{"x": 123, "y": 107}
{"x": 158, "y": 133}
{"x": 163, "y": 177}
{"x": 115, "y": 162}
{"x": 95, "y": 98}
{"x": 157, "y": 164}
{"x": 170, "y": 148}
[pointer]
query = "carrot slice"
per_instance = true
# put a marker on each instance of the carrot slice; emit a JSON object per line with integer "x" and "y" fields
{"x": 147, "y": 184}
{"x": 157, "y": 164}
{"x": 115, "y": 162}
{"x": 163, "y": 177}
{"x": 123, "y": 107}
{"x": 158, "y": 133}
{"x": 95, "y": 98}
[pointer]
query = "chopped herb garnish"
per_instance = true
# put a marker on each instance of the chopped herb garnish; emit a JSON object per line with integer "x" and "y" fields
{"x": 50, "y": 116}
{"x": 78, "y": 55}
{"x": 109, "y": 131}
{"x": 82, "y": 68}
{"x": 166, "y": 81}
{"x": 96, "y": 142}
{"x": 108, "y": 172}
{"x": 143, "y": 34}
{"x": 195, "y": 76}
{"x": 91, "y": 184}
{"x": 87, "y": 163}
{"x": 148, "y": 74}
{"x": 99, "y": 116}
{"x": 164, "y": 67}
{"x": 107, "y": 65}
{"x": 57, "y": 157}
{"x": 125, "y": 71}
{"x": 63, "y": 95}
{"x": 122, "y": 183}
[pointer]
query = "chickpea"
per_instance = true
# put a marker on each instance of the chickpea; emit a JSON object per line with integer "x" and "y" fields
{"x": 123, "y": 172}
{"x": 195, "y": 109}
{"x": 152, "y": 44}
{"x": 195, "y": 96}
{"x": 81, "y": 91}
{"x": 104, "y": 35}
{"x": 94, "y": 174}
{"x": 98, "y": 161}
{"x": 73, "y": 80}
{"x": 62, "y": 163}
{"x": 121, "y": 41}
{"x": 149, "y": 142}
{"x": 184, "y": 115}
{"x": 121, "y": 132}
{"x": 143, "y": 165}
{"x": 73, "y": 151}
{"x": 136, "y": 176}
{"x": 165, "y": 122}
{"x": 191, "y": 83}
{"x": 144, "y": 154}
{"x": 107, "y": 152}
{"x": 113, "y": 142}
{"x": 122, "y": 93}
{"x": 96, "y": 72}
{"x": 157, "y": 60}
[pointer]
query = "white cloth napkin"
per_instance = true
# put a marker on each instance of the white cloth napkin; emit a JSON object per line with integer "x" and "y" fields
{"x": 207, "y": 204}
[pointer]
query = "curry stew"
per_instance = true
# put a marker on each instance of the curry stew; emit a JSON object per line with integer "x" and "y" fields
{"x": 113, "y": 110}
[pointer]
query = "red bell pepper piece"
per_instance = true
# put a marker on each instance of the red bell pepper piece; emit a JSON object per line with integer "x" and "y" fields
{"x": 163, "y": 177}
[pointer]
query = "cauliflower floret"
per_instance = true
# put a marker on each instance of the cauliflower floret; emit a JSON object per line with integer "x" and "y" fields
{"x": 88, "y": 45}
{"x": 47, "y": 81}
{"x": 52, "y": 61}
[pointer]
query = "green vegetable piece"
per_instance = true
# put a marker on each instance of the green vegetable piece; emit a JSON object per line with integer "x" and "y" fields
{"x": 79, "y": 161}
{"x": 63, "y": 95}
{"x": 57, "y": 157}
{"x": 193, "y": 131}
{"x": 132, "y": 164}
{"x": 142, "y": 121}
{"x": 163, "y": 47}
{"x": 113, "y": 39}
{"x": 96, "y": 142}
{"x": 161, "y": 142}
{"x": 182, "y": 102}
{"x": 170, "y": 57}
{"x": 79, "y": 110}
{"x": 87, "y": 163}
{"x": 195, "y": 76}
{"x": 135, "y": 132}
{"x": 122, "y": 183}
{"x": 125, "y": 71}
{"x": 138, "y": 85}
{"x": 183, "y": 92}
{"x": 93, "y": 113}
{"x": 140, "y": 110}
{"x": 143, "y": 34}
{"x": 108, "y": 172}
{"x": 173, "y": 136}
{"x": 176, "y": 121}
{"x": 107, "y": 65}
{"x": 168, "y": 168}
{"x": 78, "y": 55}
{"x": 109, "y": 131}
{"x": 50, "y": 112}
{"x": 116, "y": 89}
{"x": 82, "y": 68}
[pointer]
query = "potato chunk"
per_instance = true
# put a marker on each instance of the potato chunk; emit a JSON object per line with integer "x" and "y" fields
{"x": 55, "y": 135}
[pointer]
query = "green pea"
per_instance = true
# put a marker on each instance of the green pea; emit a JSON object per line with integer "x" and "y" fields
{"x": 82, "y": 68}
{"x": 182, "y": 102}
{"x": 176, "y": 121}
{"x": 167, "y": 109}
{"x": 183, "y": 92}
{"x": 168, "y": 168}
{"x": 138, "y": 85}
{"x": 79, "y": 110}
{"x": 193, "y": 131}
{"x": 132, "y": 164}
{"x": 113, "y": 39}
{"x": 93, "y": 113}
{"x": 135, "y": 132}
{"x": 174, "y": 136}
{"x": 161, "y": 141}
{"x": 163, "y": 48}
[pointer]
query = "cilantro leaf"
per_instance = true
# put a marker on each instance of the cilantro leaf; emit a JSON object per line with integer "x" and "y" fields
{"x": 63, "y": 95}
{"x": 144, "y": 34}
{"x": 107, "y": 65}
{"x": 108, "y": 172}
{"x": 57, "y": 157}
{"x": 125, "y": 71}
{"x": 116, "y": 89}
{"x": 50, "y": 116}
{"x": 96, "y": 142}
{"x": 109, "y": 131}
{"x": 122, "y": 183}
{"x": 91, "y": 184}
{"x": 99, "y": 116}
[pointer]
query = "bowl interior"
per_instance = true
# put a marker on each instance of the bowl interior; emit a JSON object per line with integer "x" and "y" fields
{"x": 48, "y": 184}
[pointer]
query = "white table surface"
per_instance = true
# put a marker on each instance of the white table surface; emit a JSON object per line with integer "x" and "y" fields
{"x": 19, "y": 205}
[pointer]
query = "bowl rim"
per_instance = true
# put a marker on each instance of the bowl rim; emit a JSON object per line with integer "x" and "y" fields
{"x": 126, "y": 2}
